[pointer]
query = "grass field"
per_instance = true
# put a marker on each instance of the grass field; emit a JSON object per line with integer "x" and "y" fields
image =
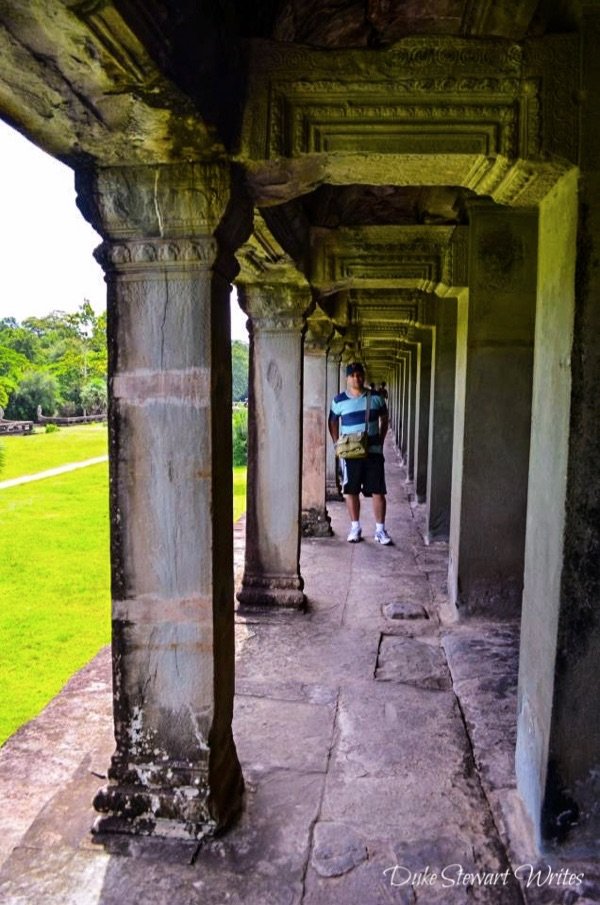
{"x": 54, "y": 579}
{"x": 54, "y": 567}
{"x": 26, "y": 455}
{"x": 239, "y": 491}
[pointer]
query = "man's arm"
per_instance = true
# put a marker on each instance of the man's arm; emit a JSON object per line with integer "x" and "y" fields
{"x": 384, "y": 422}
{"x": 334, "y": 427}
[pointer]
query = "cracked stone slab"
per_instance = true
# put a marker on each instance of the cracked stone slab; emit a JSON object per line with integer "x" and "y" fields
{"x": 337, "y": 849}
{"x": 379, "y": 731}
{"x": 483, "y": 650}
{"x": 305, "y": 651}
{"x": 294, "y": 735}
{"x": 490, "y": 711}
{"x": 404, "y": 609}
{"x": 439, "y": 868}
{"x": 287, "y": 691}
{"x": 367, "y": 884}
{"x": 413, "y": 662}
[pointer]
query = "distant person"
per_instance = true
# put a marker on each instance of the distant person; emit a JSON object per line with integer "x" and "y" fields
{"x": 366, "y": 475}
{"x": 382, "y": 391}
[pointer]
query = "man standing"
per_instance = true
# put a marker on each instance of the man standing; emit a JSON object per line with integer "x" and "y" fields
{"x": 366, "y": 475}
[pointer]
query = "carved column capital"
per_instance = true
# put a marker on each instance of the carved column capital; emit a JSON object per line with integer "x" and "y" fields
{"x": 336, "y": 348}
{"x": 165, "y": 201}
{"x": 319, "y": 331}
{"x": 275, "y": 306}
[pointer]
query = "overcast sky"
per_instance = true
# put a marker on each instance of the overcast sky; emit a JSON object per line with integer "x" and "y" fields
{"x": 46, "y": 246}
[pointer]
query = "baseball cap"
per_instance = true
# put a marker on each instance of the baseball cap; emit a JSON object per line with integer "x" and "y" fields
{"x": 353, "y": 367}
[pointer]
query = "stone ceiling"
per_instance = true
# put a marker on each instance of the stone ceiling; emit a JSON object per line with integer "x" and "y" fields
{"x": 326, "y": 130}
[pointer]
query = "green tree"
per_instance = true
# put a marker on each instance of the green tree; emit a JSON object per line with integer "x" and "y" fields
{"x": 35, "y": 388}
{"x": 93, "y": 397}
{"x": 239, "y": 425}
{"x": 240, "y": 355}
{"x": 19, "y": 339}
{"x": 72, "y": 347}
{"x": 12, "y": 367}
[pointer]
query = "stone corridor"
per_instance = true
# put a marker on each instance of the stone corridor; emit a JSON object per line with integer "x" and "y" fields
{"x": 376, "y": 739}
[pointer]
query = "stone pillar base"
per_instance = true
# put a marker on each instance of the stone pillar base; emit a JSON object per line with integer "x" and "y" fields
{"x": 316, "y": 523}
{"x": 333, "y": 492}
{"x": 272, "y": 591}
{"x": 152, "y": 809}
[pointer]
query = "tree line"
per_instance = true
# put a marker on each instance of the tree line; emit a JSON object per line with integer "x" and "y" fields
{"x": 59, "y": 362}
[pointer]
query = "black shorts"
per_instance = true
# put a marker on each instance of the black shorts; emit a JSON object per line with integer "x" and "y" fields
{"x": 366, "y": 475}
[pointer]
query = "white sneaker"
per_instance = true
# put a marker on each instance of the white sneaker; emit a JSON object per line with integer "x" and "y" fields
{"x": 354, "y": 536}
{"x": 382, "y": 537}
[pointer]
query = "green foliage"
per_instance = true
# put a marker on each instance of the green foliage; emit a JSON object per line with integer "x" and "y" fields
{"x": 240, "y": 354}
{"x": 94, "y": 397}
{"x": 12, "y": 367}
{"x": 239, "y": 491}
{"x": 70, "y": 347}
{"x": 34, "y": 389}
{"x": 239, "y": 427}
{"x": 51, "y": 429}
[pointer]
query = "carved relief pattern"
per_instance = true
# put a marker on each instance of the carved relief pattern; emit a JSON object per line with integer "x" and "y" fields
{"x": 166, "y": 200}
{"x": 502, "y": 105}
{"x": 412, "y": 54}
{"x": 554, "y": 62}
{"x": 491, "y": 128}
{"x": 276, "y": 306}
{"x": 311, "y": 94}
{"x": 147, "y": 255}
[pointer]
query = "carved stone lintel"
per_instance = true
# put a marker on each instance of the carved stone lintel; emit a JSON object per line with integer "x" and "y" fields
{"x": 316, "y": 523}
{"x": 399, "y": 257}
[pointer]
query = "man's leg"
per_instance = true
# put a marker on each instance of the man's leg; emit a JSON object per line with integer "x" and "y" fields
{"x": 375, "y": 485}
{"x": 353, "y": 506}
{"x": 379, "y": 507}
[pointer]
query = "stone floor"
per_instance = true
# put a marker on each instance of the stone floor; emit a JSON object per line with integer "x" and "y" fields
{"x": 376, "y": 736}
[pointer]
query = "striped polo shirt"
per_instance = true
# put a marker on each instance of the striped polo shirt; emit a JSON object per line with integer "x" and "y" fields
{"x": 352, "y": 410}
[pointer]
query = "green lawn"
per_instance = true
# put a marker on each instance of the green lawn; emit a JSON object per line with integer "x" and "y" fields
{"x": 54, "y": 582}
{"x": 54, "y": 568}
{"x": 239, "y": 491}
{"x": 27, "y": 455}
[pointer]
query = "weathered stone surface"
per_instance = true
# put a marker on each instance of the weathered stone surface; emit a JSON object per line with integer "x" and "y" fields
{"x": 268, "y": 733}
{"x": 336, "y": 849}
{"x": 413, "y": 662}
{"x": 404, "y": 610}
{"x": 316, "y": 523}
{"x": 482, "y": 651}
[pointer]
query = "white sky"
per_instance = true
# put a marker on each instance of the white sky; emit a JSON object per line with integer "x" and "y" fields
{"x": 46, "y": 245}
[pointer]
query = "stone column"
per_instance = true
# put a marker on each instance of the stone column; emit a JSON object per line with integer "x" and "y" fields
{"x": 441, "y": 426}
{"x": 333, "y": 488}
{"x": 175, "y": 771}
{"x": 411, "y": 397}
{"x": 558, "y": 735}
{"x": 272, "y": 566}
{"x": 487, "y": 532}
{"x": 315, "y": 519}
{"x": 405, "y": 402}
{"x": 422, "y": 415}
